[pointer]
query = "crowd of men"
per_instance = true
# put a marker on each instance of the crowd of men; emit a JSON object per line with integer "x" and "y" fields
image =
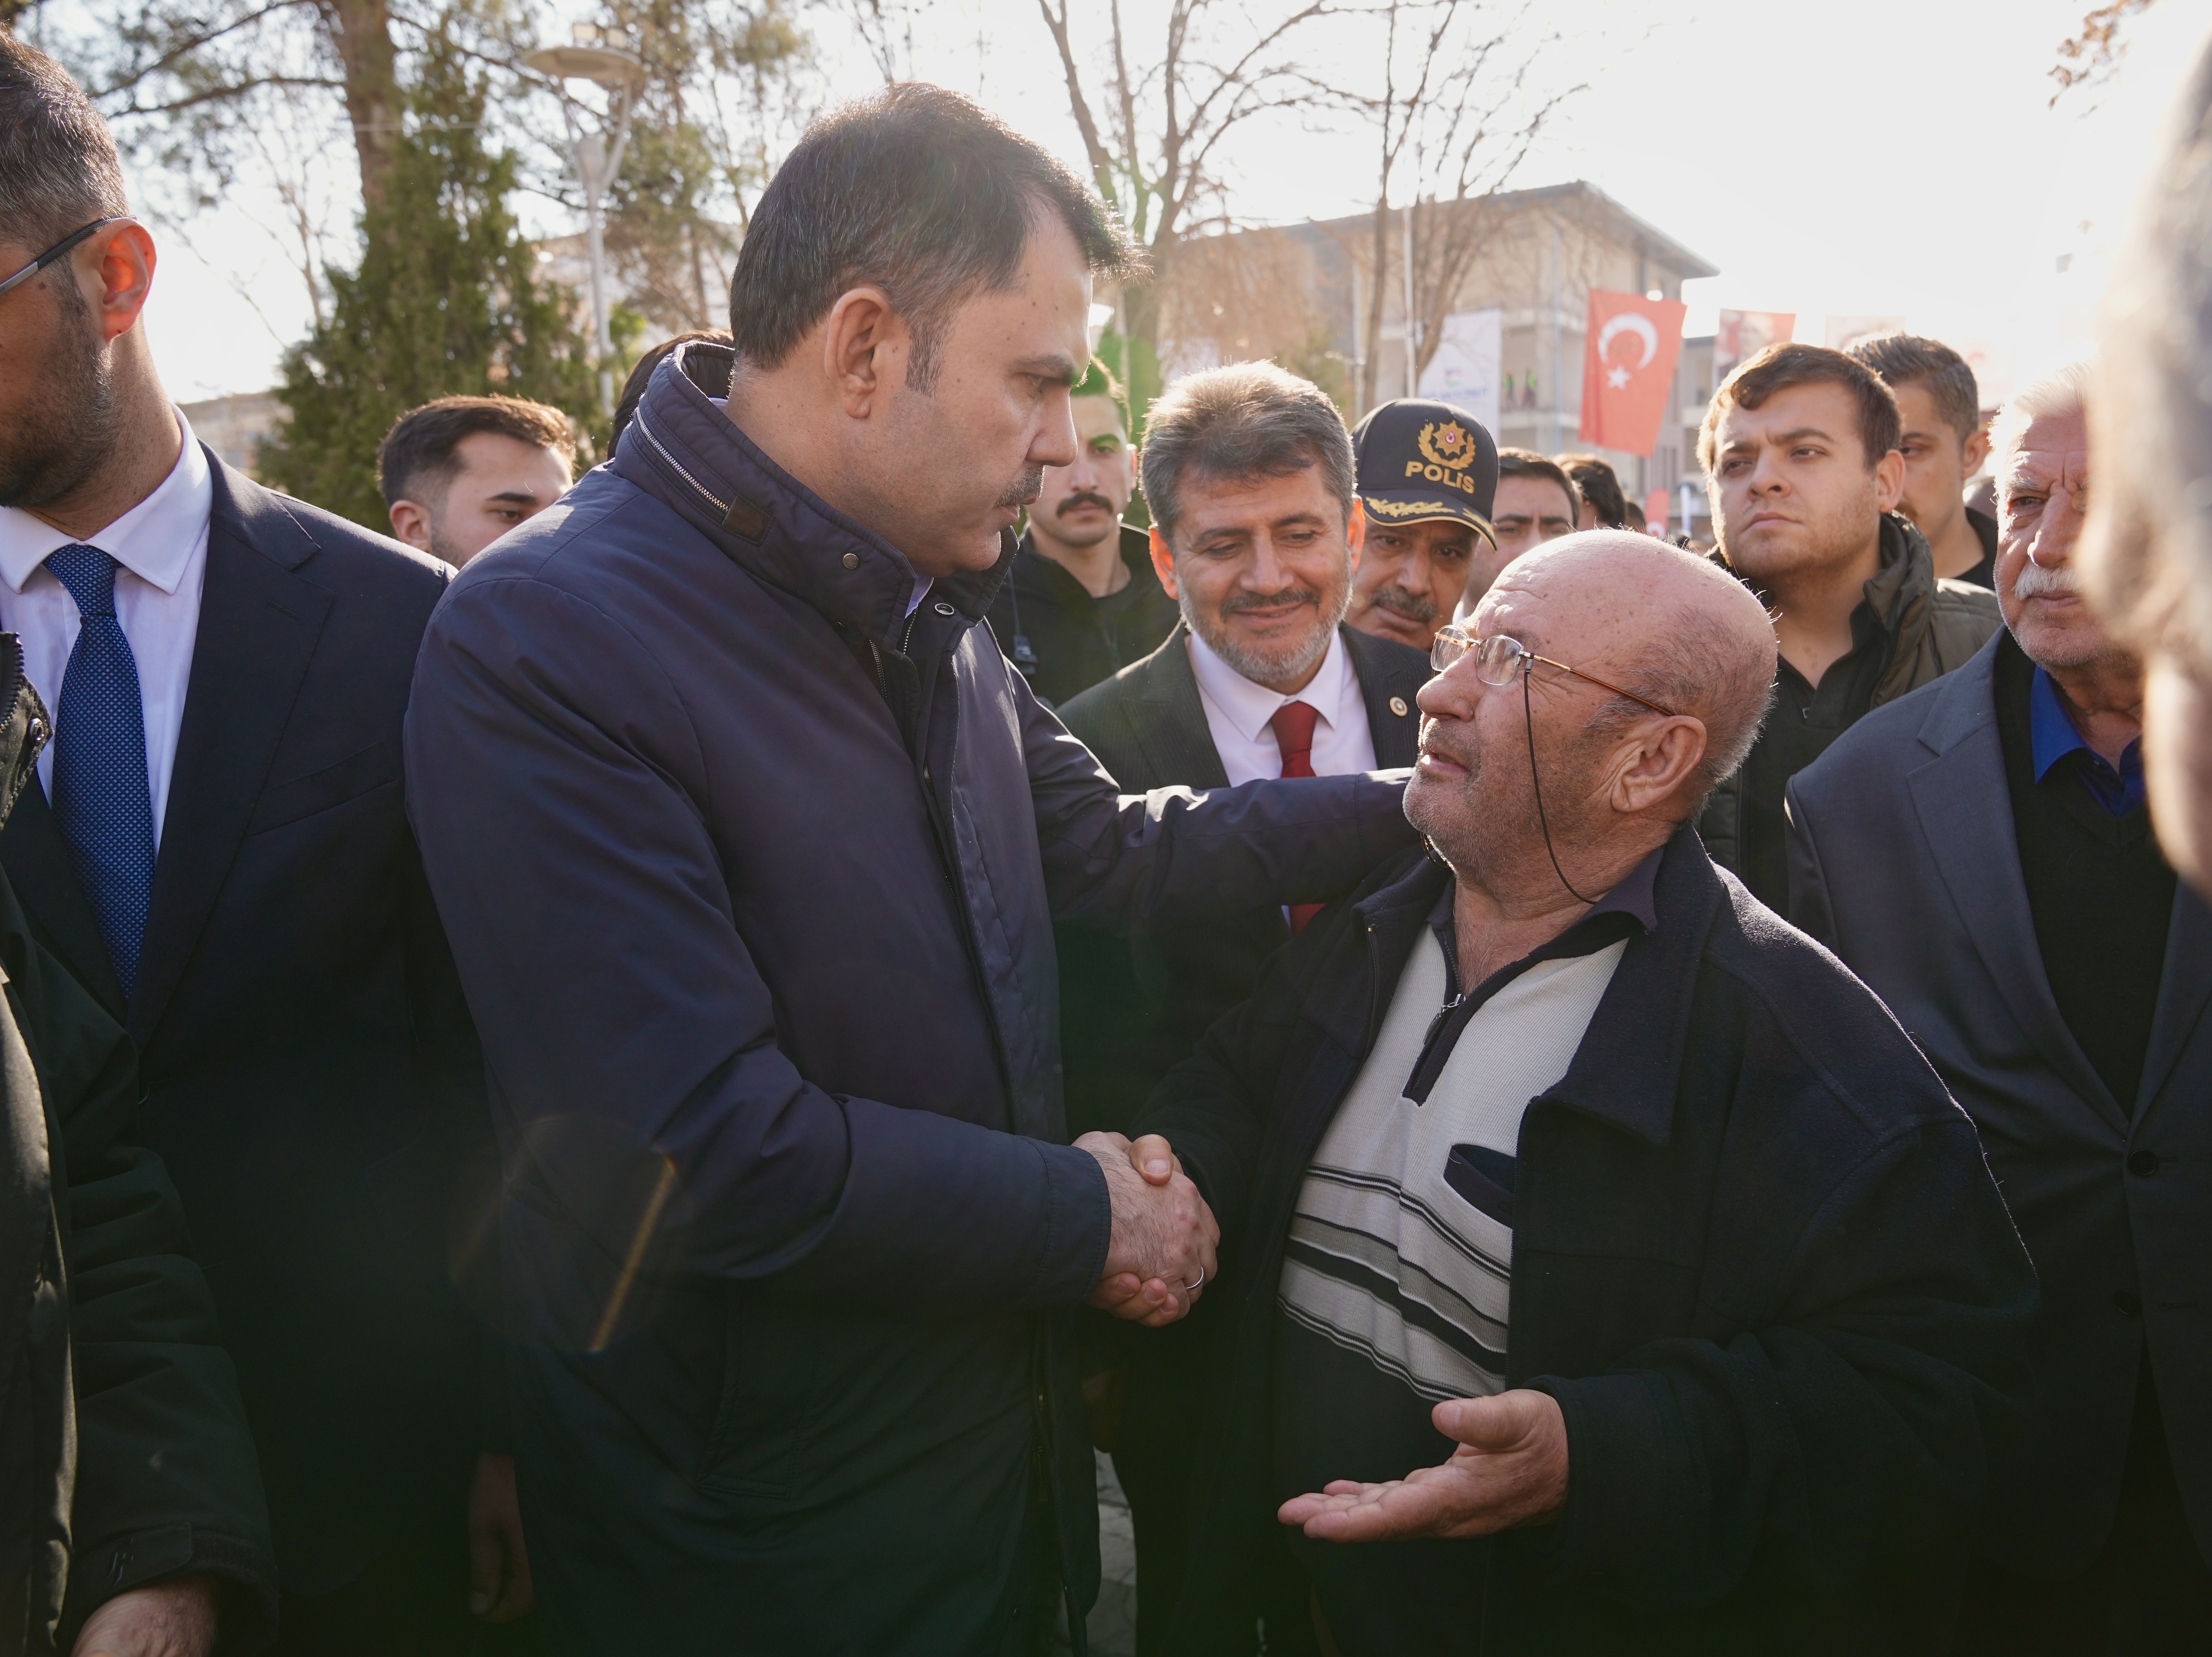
{"x": 652, "y": 1063}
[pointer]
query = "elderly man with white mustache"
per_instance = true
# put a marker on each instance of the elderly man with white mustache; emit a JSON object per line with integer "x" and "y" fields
{"x": 1981, "y": 854}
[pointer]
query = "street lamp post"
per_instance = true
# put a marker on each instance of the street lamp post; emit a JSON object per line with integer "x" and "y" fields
{"x": 598, "y": 158}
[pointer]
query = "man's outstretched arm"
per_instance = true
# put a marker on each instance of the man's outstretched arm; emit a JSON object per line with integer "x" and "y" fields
{"x": 1179, "y": 854}
{"x": 632, "y": 1039}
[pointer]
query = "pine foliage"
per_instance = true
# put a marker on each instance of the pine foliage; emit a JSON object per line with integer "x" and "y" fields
{"x": 446, "y": 299}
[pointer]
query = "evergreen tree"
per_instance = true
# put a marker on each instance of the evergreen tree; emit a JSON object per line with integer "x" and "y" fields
{"x": 446, "y": 299}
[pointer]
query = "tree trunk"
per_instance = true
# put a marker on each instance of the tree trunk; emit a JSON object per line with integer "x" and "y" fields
{"x": 361, "y": 32}
{"x": 1140, "y": 362}
{"x": 1372, "y": 367}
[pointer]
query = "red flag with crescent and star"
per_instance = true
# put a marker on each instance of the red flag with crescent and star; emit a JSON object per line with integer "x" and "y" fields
{"x": 1628, "y": 366}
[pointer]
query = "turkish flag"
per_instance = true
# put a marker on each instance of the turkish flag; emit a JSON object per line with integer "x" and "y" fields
{"x": 1628, "y": 366}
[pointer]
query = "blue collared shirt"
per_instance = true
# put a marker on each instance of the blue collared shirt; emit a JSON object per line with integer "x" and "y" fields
{"x": 2051, "y": 738}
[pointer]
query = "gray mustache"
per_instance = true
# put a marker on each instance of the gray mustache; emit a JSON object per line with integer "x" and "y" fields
{"x": 1270, "y": 600}
{"x": 2034, "y": 581}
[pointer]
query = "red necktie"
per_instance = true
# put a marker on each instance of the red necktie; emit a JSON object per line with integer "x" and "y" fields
{"x": 1293, "y": 726}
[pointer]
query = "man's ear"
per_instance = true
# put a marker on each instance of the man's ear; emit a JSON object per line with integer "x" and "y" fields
{"x": 117, "y": 275}
{"x": 865, "y": 347}
{"x": 1889, "y": 480}
{"x": 1656, "y": 762}
{"x": 1355, "y": 532}
{"x": 1163, "y": 564}
{"x": 1977, "y": 450}
{"x": 410, "y": 522}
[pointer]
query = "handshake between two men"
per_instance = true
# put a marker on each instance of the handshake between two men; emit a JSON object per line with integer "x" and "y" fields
{"x": 1510, "y": 1468}
{"x": 1161, "y": 1255}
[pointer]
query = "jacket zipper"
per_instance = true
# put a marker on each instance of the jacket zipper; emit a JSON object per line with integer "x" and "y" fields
{"x": 721, "y": 507}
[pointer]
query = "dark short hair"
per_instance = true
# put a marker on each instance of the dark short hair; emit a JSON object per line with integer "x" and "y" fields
{"x": 1914, "y": 360}
{"x": 1238, "y": 423}
{"x": 58, "y": 170}
{"x": 1778, "y": 367}
{"x": 1597, "y": 482}
{"x": 423, "y": 446}
{"x": 640, "y": 375}
{"x": 1527, "y": 462}
{"x": 922, "y": 193}
{"x": 1098, "y": 381}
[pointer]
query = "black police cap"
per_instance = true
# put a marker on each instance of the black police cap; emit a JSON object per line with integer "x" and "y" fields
{"x": 1421, "y": 461}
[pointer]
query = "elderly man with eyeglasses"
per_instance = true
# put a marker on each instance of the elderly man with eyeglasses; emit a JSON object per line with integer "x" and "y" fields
{"x": 1602, "y": 1268}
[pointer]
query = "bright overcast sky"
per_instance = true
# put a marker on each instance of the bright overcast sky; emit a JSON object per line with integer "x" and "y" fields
{"x": 1894, "y": 157}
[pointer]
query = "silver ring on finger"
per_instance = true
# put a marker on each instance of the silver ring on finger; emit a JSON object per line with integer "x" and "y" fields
{"x": 1193, "y": 1287}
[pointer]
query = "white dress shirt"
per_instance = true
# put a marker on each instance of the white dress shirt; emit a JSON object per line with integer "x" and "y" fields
{"x": 160, "y": 544}
{"x": 1237, "y": 712}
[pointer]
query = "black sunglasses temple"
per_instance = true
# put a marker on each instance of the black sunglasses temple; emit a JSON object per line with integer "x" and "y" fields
{"x": 55, "y": 252}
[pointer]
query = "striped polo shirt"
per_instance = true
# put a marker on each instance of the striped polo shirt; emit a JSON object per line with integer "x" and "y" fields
{"x": 1396, "y": 1284}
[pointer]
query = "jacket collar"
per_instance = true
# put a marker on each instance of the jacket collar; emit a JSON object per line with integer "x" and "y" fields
{"x": 1625, "y": 1071}
{"x": 1907, "y": 575}
{"x": 24, "y": 727}
{"x": 683, "y": 450}
{"x": 1964, "y": 702}
{"x": 1035, "y": 572}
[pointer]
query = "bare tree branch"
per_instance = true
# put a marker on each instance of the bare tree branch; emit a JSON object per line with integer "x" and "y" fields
{"x": 226, "y": 93}
{"x": 2090, "y": 57}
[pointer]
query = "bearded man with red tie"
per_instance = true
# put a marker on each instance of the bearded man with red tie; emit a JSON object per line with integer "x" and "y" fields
{"x": 1251, "y": 480}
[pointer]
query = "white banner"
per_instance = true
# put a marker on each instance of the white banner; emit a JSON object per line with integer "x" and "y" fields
{"x": 1465, "y": 369}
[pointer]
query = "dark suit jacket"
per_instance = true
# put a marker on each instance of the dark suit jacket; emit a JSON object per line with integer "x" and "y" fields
{"x": 1132, "y": 1008}
{"x": 124, "y": 1451}
{"x": 311, "y": 1073}
{"x": 1905, "y": 862}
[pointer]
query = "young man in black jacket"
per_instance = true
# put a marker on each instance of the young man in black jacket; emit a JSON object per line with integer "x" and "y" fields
{"x": 1557, "y": 1162}
{"x": 1080, "y": 601}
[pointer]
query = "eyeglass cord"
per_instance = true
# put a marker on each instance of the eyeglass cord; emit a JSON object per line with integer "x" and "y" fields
{"x": 1528, "y": 720}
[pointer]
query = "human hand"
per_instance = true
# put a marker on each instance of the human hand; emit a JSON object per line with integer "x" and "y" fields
{"x": 1154, "y": 1158}
{"x": 1161, "y": 1250}
{"x": 176, "y": 1619}
{"x": 499, "y": 1589}
{"x": 1511, "y": 1470}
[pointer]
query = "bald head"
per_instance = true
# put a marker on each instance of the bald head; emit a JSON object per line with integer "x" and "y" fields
{"x": 1617, "y": 775}
{"x": 1684, "y": 633}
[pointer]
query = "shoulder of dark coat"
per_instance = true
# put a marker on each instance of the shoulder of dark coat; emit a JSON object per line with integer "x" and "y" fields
{"x": 578, "y": 542}
{"x": 1091, "y": 714}
{"x": 286, "y": 528}
{"x": 1965, "y": 616}
{"x": 1876, "y": 747}
{"x": 1839, "y": 1029}
{"x": 1394, "y": 661}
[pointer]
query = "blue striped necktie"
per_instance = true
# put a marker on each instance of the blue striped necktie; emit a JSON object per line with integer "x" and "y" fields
{"x": 101, "y": 792}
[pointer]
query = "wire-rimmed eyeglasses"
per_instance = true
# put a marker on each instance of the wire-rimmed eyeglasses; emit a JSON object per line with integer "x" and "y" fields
{"x": 1498, "y": 658}
{"x": 55, "y": 252}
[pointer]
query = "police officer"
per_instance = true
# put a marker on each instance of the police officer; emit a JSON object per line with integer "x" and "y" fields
{"x": 1428, "y": 477}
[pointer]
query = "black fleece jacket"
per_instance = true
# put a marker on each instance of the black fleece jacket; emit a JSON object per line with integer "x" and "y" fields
{"x": 1759, "y": 1259}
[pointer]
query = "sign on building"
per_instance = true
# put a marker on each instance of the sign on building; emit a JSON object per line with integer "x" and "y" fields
{"x": 1468, "y": 362}
{"x": 1742, "y": 335}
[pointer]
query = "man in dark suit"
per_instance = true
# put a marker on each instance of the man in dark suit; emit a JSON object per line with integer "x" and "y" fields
{"x": 1258, "y": 531}
{"x": 1980, "y": 853}
{"x": 216, "y": 844}
{"x": 1254, "y": 489}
